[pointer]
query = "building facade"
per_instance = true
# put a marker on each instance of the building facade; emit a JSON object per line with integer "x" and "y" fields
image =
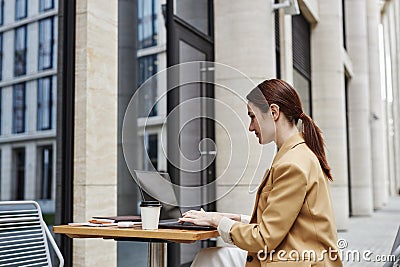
{"x": 341, "y": 55}
{"x": 28, "y": 73}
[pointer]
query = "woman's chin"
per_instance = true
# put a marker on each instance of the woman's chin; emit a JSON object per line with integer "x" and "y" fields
{"x": 264, "y": 142}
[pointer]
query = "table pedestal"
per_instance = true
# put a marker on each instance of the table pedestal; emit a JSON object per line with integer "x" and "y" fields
{"x": 157, "y": 253}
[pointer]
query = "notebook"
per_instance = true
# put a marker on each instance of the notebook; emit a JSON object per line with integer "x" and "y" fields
{"x": 170, "y": 213}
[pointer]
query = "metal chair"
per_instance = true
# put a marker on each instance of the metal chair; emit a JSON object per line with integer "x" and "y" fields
{"x": 395, "y": 251}
{"x": 24, "y": 236}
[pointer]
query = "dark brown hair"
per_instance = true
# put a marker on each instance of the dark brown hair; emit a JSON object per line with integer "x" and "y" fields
{"x": 281, "y": 93}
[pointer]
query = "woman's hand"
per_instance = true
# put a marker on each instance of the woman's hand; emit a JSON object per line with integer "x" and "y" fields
{"x": 201, "y": 217}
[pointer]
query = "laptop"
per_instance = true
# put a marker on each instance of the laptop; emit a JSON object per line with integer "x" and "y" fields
{"x": 152, "y": 188}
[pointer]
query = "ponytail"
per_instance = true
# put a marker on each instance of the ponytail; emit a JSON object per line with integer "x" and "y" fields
{"x": 313, "y": 137}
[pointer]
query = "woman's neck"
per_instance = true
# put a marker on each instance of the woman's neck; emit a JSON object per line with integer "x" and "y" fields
{"x": 284, "y": 133}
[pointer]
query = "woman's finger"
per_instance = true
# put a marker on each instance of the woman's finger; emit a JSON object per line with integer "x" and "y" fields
{"x": 186, "y": 220}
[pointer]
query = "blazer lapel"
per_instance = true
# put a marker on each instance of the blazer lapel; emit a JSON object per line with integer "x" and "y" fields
{"x": 261, "y": 186}
{"x": 289, "y": 144}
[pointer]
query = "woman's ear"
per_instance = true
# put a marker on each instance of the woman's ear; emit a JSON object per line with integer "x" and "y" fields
{"x": 274, "y": 111}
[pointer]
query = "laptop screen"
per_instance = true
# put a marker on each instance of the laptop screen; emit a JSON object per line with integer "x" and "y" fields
{"x": 149, "y": 184}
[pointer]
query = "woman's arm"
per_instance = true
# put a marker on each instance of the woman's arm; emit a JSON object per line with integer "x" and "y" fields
{"x": 232, "y": 216}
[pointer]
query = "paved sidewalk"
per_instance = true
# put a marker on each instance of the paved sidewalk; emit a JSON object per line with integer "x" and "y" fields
{"x": 375, "y": 233}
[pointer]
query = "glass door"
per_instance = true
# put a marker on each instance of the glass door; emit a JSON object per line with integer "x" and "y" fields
{"x": 190, "y": 110}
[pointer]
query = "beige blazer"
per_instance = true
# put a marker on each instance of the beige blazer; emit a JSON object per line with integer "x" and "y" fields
{"x": 293, "y": 217}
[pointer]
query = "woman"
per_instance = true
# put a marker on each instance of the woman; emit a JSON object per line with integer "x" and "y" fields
{"x": 293, "y": 221}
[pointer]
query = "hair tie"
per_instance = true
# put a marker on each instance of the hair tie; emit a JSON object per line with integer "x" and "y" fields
{"x": 301, "y": 116}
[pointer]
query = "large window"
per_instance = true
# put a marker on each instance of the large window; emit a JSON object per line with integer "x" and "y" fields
{"x": 44, "y": 103}
{"x": 147, "y": 23}
{"x": 45, "y": 5}
{"x": 147, "y": 68}
{"x": 19, "y": 108}
{"x": 20, "y": 51}
{"x": 46, "y": 41}
{"x": 21, "y": 9}
{"x": 18, "y": 181}
{"x": 45, "y": 175}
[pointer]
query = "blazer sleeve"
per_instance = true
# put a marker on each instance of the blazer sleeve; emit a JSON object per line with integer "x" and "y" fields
{"x": 282, "y": 208}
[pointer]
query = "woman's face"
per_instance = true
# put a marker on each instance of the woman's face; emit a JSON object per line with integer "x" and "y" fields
{"x": 261, "y": 123}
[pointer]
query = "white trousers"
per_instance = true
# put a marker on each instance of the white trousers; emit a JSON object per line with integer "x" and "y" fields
{"x": 220, "y": 257}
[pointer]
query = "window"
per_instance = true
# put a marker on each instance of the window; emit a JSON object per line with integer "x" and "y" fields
{"x": 1, "y": 12}
{"x": 151, "y": 152}
{"x": 21, "y": 9}
{"x": 44, "y": 103}
{"x": 147, "y": 23}
{"x": 148, "y": 97}
{"x": 1, "y": 112}
{"x": 19, "y": 108}
{"x": 1, "y": 56}
{"x": 45, "y": 5}
{"x": 20, "y": 51}
{"x": 0, "y": 173}
{"x": 46, "y": 41}
{"x": 45, "y": 175}
{"x": 301, "y": 47}
{"x": 277, "y": 43}
{"x": 18, "y": 181}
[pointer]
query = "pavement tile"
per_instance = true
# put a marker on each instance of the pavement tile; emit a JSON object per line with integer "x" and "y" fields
{"x": 374, "y": 233}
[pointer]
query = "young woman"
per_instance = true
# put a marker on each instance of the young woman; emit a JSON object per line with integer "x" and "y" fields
{"x": 293, "y": 221}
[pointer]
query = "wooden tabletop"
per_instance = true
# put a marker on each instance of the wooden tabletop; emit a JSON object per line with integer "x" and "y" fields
{"x": 174, "y": 235}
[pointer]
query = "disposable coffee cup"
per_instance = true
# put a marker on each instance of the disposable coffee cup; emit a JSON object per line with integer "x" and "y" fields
{"x": 150, "y": 214}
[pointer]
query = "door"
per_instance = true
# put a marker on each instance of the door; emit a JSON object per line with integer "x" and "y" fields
{"x": 190, "y": 110}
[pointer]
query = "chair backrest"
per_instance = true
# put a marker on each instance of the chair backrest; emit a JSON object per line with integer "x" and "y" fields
{"x": 23, "y": 234}
{"x": 395, "y": 252}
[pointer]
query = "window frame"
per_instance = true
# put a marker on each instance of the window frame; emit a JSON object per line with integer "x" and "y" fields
{"x": 143, "y": 75}
{"x": 23, "y": 108}
{"x": 41, "y": 106}
{"x": 18, "y": 186}
{"x": 1, "y": 112}
{"x": 18, "y": 15}
{"x": 142, "y": 42}
{"x": 43, "y": 7}
{"x": 1, "y": 56}
{"x": 45, "y": 184}
{"x": 22, "y": 51}
{"x": 1, "y": 12}
{"x": 42, "y": 40}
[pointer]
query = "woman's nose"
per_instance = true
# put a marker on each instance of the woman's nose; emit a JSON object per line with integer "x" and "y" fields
{"x": 251, "y": 127}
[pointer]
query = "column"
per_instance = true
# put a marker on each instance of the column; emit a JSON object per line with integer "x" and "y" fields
{"x": 389, "y": 104}
{"x": 6, "y": 172}
{"x": 359, "y": 108}
{"x": 244, "y": 39}
{"x": 95, "y": 148}
{"x": 378, "y": 155}
{"x": 31, "y": 171}
{"x": 286, "y": 58}
{"x": 396, "y": 89}
{"x": 328, "y": 96}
